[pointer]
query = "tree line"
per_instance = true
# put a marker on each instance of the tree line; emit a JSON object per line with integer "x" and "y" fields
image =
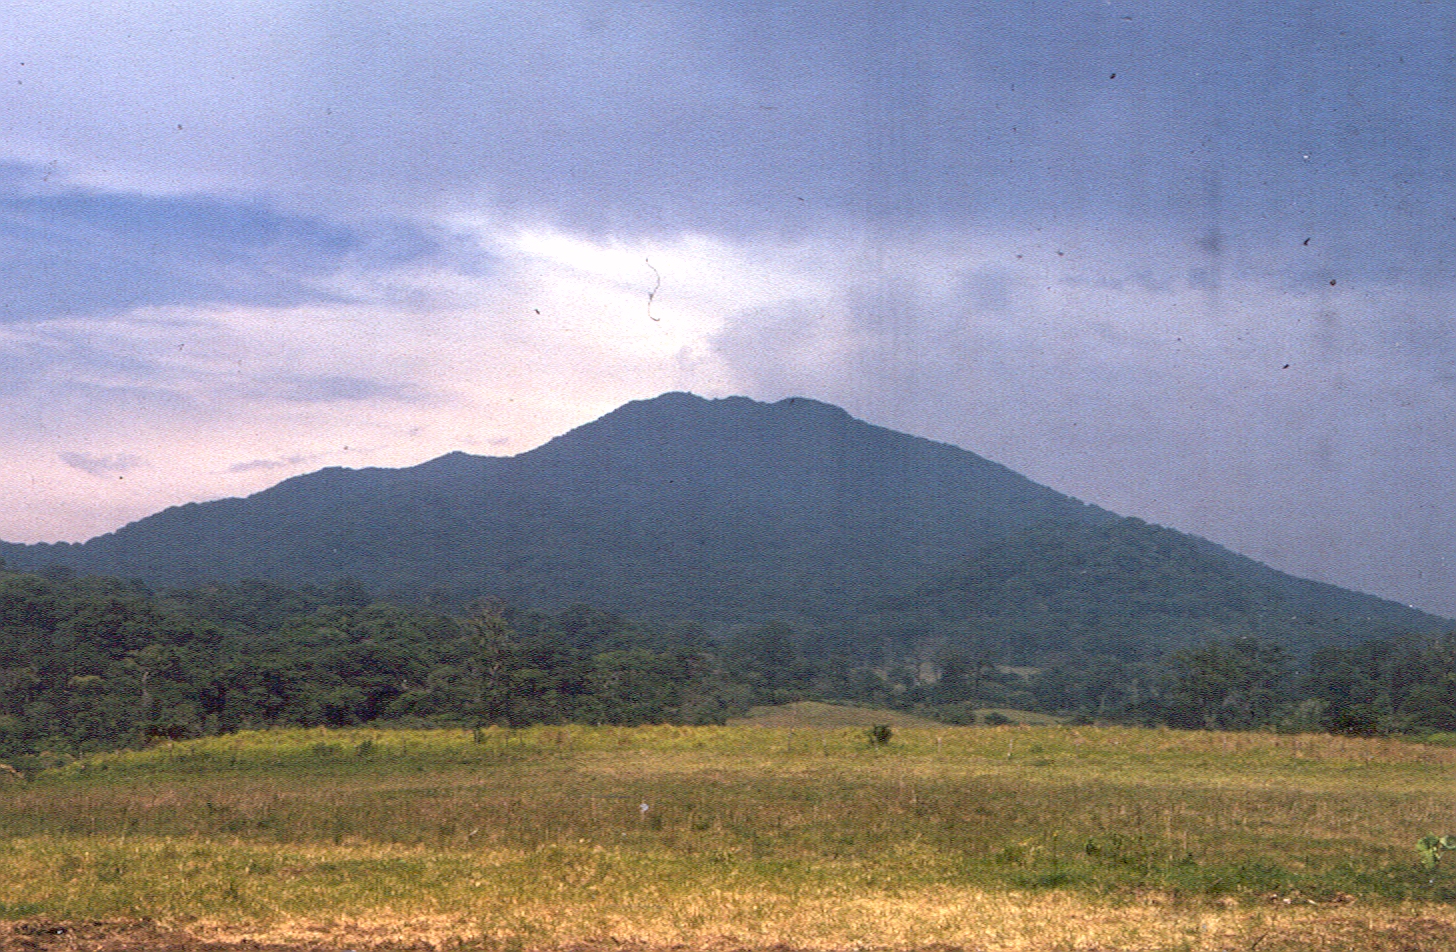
{"x": 93, "y": 663}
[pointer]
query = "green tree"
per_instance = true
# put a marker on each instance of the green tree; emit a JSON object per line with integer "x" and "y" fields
{"x": 1232, "y": 685}
{"x": 495, "y": 651}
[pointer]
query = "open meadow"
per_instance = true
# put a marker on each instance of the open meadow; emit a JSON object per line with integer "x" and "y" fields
{"x": 747, "y": 836}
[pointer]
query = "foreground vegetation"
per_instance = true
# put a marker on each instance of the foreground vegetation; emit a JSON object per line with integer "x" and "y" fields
{"x": 991, "y": 838}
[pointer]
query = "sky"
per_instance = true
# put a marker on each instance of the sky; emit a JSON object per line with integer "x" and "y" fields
{"x": 1189, "y": 262}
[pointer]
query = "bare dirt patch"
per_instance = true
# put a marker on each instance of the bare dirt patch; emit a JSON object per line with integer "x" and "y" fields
{"x": 45, "y": 935}
{"x": 1406, "y": 934}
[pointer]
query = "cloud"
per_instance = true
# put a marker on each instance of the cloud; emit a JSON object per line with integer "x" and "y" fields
{"x": 743, "y": 118}
{"x": 339, "y": 388}
{"x": 268, "y": 465}
{"x": 102, "y": 465}
{"x": 78, "y": 252}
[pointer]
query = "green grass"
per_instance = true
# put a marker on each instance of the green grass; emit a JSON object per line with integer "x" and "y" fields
{"x": 804, "y": 835}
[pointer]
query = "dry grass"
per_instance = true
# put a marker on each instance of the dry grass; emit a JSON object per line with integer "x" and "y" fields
{"x": 984, "y": 838}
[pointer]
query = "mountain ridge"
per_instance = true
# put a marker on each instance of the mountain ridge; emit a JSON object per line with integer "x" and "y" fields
{"x": 723, "y": 512}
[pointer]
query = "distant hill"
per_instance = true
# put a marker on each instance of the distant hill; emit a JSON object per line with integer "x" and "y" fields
{"x": 733, "y": 511}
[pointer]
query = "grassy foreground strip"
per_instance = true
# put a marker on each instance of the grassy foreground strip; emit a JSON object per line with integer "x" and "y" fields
{"x": 1035, "y": 838}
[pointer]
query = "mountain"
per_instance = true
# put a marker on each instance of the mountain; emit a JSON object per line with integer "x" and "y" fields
{"x": 1133, "y": 591}
{"x": 719, "y": 511}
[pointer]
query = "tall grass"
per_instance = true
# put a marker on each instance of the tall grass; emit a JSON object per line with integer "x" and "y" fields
{"x": 551, "y": 835}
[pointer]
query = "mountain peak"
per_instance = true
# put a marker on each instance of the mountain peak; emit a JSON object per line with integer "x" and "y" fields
{"x": 677, "y": 401}
{"x": 725, "y": 511}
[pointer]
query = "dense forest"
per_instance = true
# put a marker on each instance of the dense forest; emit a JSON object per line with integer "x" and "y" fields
{"x": 95, "y": 663}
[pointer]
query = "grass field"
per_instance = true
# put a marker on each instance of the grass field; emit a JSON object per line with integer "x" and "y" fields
{"x": 1036, "y": 838}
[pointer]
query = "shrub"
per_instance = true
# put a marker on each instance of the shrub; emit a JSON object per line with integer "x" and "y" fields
{"x": 1432, "y": 847}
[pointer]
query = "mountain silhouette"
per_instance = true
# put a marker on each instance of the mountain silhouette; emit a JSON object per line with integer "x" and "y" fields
{"x": 718, "y": 511}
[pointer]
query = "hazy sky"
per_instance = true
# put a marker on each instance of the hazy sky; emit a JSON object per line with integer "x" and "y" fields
{"x": 1189, "y": 261}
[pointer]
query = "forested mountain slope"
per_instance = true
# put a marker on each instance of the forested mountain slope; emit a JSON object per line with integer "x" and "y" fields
{"x": 727, "y": 512}
{"x": 1067, "y": 592}
{"x": 671, "y": 506}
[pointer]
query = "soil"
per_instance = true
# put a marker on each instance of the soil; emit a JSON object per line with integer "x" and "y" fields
{"x": 1413, "y": 934}
{"x": 44, "y": 935}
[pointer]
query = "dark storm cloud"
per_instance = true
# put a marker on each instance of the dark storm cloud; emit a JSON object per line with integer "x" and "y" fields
{"x": 85, "y": 252}
{"x": 1240, "y": 122}
{"x": 1241, "y": 119}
